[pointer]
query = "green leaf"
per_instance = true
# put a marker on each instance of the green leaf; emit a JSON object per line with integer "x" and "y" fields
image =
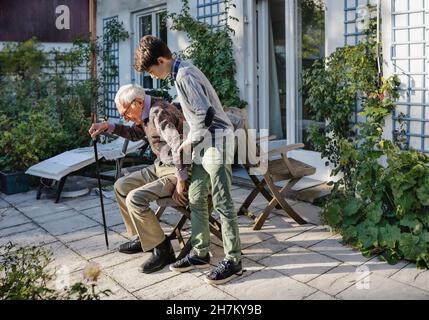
{"x": 352, "y": 207}
{"x": 410, "y": 221}
{"x": 368, "y": 234}
{"x": 333, "y": 215}
{"x": 350, "y": 234}
{"x": 389, "y": 236}
{"x": 374, "y": 212}
{"x": 412, "y": 246}
{"x": 423, "y": 193}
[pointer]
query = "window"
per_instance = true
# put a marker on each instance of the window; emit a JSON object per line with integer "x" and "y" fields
{"x": 211, "y": 12}
{"x": 111, "y": 70}
{"x": 150, "y": 23}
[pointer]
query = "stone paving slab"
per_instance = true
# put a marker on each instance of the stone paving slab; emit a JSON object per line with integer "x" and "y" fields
{"x": 333, "y": 248}
{"x": 299, "y": 263}
{"x": 170, "y": 288}
{"x": 267, "y": 284}
{"x": 128, "y": 276}
{"x": 64, "y": 257}
{"x": 82, "y": 234}
{"x": 69, "y": 224}
{"x": 111, "y": 211}
{"x": 20, "y": 198}
{"x": 40, "y": 208}
{"x": 309, "y": 212}
{"x": 55, "y": 216}
{"x": 382, "y": 268}
{"x": 414, "y": 277}
{"x": 265, "y": 249}
{"x": 116, "y": 258}
{"x": 18, "y": 229}
{"x": 204, "y": 292}
{"x": 96, "y": 246}
{"x": 11, "y": 218}
{"x": 319, "y": 295}
{"x": 283, "y": 228}
{"x": 311, "y": 237}
{"x": 377, "y": 287}
{"x": 120, "y": 228}
{"x": 336, "y": 280}
{"x": 3, "y": 204}
{"x": 86, "y": 202}
{"x": 35, "y": 237}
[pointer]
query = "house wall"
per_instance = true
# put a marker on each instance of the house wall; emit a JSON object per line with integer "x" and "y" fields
{"x": 177, "y": 41}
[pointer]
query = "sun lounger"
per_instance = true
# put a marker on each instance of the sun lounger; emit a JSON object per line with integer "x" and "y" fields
{"x": 58, "y": 168}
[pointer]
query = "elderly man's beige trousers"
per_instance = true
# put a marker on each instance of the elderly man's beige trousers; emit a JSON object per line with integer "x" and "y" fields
{"x": 134, "y": 193}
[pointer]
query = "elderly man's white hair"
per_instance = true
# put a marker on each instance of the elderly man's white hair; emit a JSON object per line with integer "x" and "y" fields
{"x": 128, "y": 93}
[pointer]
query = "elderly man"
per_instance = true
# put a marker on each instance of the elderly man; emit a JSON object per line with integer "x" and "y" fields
{"x": 162, "y": 125}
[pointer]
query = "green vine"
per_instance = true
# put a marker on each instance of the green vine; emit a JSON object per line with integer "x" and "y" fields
{"x": 380, "y": 204}
{"x": 212, "y": 51}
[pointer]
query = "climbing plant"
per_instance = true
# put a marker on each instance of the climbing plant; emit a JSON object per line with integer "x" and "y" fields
{"x": 380, "y": 200}
{"x": 211, "y": 50}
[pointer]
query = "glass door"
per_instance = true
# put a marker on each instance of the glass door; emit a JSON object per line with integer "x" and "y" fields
{"x": 277, "y": 68}
{"x": 310, "y": 47}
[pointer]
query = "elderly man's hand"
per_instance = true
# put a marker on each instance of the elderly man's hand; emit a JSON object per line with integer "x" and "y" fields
{"x": 180, "y": 195}
{"x": 185, "y": 147}
{"x": 98, "y": 128}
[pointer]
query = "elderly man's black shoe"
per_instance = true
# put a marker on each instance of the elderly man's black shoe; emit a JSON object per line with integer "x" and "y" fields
{"x": 162, "y": 256}
{"x": 131, "y": 247}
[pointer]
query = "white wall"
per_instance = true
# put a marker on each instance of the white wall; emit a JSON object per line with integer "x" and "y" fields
{"x": 176, "y": 40}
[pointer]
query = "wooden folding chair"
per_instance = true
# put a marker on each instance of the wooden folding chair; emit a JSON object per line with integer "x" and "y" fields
{"x": 176, "y": 233}
{"x": 280, "y": 169}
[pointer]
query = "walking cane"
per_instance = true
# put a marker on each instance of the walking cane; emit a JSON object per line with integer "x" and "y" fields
{"x": 93, "y": 119}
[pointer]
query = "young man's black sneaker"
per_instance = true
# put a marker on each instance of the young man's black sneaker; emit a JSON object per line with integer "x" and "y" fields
{"x": 191, "y": 261}
{"x": 225, "y": 271}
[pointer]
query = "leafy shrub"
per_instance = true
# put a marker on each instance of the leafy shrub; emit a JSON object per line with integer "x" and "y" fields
{"x": 45, "y": 103}
{"x": 380, "y": 204}
{"x": 24, "y": 275}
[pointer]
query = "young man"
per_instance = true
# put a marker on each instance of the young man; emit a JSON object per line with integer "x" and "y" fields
{"x": 205, "y": 116}
{"x": 160, "y": 123}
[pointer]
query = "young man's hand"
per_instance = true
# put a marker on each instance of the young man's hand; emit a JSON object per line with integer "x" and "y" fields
{"x": 98, "y": 128}
{"x": 180, "y": 195}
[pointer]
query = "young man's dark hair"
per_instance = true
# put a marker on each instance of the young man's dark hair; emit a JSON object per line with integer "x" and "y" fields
{"x": 149, "y": 50}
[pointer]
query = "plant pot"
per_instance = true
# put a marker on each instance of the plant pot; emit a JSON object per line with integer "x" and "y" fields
{"x": 13, "y": 182}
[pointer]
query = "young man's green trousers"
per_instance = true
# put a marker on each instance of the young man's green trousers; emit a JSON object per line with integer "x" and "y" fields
{"x": 214, "y": 175}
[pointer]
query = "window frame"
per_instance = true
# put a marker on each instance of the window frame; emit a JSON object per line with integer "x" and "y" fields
{"x": 136, "y": 16}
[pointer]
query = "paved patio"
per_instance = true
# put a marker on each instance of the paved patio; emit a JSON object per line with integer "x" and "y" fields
{"x": 283, "y": 260}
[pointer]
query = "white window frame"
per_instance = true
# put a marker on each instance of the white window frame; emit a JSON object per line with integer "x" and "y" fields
{"x": 135, "y": 29}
